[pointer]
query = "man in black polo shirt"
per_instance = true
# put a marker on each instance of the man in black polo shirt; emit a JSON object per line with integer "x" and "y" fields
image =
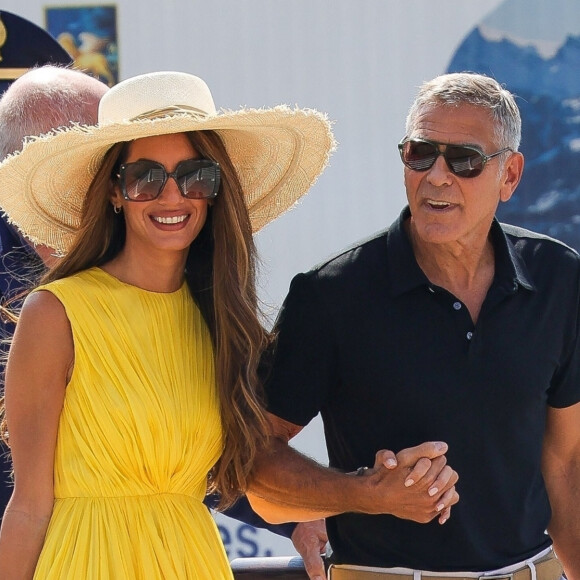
{"x": 447, "y": 326}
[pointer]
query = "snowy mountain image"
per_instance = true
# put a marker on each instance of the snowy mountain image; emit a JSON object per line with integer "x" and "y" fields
{"x": 533, "y": 48}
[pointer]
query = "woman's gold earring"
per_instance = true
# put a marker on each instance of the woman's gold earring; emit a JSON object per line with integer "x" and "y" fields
{"x": 117, "y": 209}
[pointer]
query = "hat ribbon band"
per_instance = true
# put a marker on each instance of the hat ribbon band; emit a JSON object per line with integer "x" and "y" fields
{"x": 154, "y": 113}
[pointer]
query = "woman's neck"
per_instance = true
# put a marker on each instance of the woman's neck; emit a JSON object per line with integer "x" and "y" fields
{"x": 163, "y": 273}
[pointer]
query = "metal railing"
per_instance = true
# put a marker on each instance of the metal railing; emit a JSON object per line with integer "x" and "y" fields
{"x": 280, "y": 567}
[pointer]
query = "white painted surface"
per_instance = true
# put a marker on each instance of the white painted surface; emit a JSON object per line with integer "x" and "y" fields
{"x": 358, "y": 60}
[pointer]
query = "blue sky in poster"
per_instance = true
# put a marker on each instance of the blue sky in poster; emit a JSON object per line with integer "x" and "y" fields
{"x": 542, "y": 24}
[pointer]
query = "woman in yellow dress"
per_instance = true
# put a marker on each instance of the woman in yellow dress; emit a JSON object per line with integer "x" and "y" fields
{"x": 131, "y": 385}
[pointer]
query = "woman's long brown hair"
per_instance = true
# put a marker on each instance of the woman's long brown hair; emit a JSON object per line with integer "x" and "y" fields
{"x": 220, "y": 271}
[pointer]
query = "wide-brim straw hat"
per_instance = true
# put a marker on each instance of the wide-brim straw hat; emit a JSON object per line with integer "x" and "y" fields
{"x": 278, "y": 153}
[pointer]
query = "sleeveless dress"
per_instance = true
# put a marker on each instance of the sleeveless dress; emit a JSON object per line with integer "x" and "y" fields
{"x": 139, "y": 431}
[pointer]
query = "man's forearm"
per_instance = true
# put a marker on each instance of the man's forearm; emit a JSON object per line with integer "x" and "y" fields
{"x": 287, "y": 485}
{"x": 564, "y": 527}
{"x": 561, "y": 471}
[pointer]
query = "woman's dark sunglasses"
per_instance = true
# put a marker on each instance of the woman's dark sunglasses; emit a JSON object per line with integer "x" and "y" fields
{"x": 462, "y": 160}
{"x": 144, "y": 180}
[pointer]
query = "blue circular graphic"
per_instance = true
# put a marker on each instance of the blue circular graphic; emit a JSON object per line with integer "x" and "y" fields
{"x": 533, "y": 48}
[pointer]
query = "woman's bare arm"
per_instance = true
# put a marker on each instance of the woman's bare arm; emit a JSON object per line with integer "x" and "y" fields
{"x": 39, "y": 366}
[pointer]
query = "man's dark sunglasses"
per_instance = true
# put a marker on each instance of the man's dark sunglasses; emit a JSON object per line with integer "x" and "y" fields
{"x": 462, "y": 160}
{"x": 144, "y": 180}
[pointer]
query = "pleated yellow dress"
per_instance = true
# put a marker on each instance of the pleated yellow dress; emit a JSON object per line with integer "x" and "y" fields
{"x": 139, "y": 431}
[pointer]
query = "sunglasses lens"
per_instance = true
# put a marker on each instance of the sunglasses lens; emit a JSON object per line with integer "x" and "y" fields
{"x": 464, "y": 161}
{"x": 198, "y": 178}
{"x": 142, "y": 180}
{"x": 418, "y": 155}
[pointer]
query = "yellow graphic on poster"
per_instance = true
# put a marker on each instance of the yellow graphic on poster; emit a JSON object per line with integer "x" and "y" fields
{"x": 89, "y": 35}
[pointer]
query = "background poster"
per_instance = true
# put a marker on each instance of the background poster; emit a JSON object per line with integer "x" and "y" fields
{"x": 534, "y": 49}
{"x": 89, "y": 35}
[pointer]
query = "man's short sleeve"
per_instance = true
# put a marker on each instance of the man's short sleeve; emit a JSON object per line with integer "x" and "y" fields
{"x": 564, "y": 390}
{"x": 300, "y": 377}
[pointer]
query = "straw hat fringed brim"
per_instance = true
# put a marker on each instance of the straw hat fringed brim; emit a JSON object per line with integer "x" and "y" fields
{"x": 278, "y": 154}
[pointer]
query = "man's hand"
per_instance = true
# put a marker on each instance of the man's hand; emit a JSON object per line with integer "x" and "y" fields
{"x": 309, "y": 539}
{"x": 421, "y": 486}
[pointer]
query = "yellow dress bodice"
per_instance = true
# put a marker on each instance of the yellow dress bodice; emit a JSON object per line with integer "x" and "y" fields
{"x": 139, "y": 431}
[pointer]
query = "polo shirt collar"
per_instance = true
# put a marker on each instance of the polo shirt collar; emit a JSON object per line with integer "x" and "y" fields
{"x": 509, "y": 265}
{"x": 405, "y": 274}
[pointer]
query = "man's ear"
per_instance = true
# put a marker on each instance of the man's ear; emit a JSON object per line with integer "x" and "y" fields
{"x": 511, "y": 175}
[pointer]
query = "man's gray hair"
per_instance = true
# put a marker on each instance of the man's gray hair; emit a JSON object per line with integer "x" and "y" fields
{"x": 472, "y": 89}
{"x": 45, "y": 99}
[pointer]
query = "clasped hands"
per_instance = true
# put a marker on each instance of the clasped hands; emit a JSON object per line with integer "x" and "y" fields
{"x": 414, "y": 484}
